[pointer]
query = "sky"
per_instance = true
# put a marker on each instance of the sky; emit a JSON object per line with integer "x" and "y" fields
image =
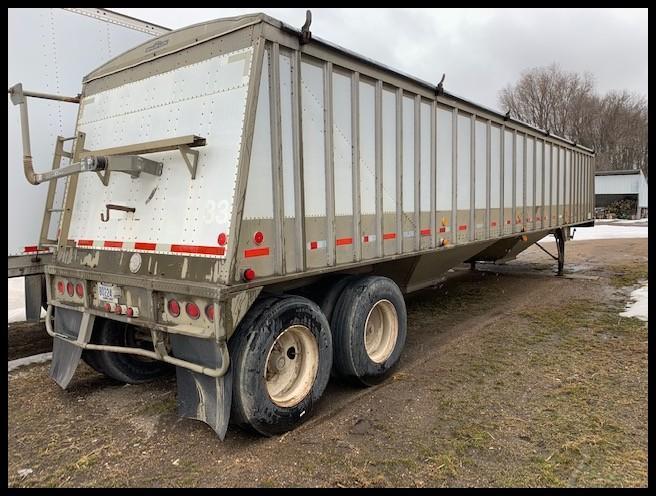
{"x": 480, "y": 50}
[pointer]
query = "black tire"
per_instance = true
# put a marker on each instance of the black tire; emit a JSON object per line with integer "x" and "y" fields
{"x": 350, "y": 358}
{"x": 92, "y": 359}
{"x": 250, "y": 347}
{"x": 131, "y": 369}
{"x": 328, "y": 299}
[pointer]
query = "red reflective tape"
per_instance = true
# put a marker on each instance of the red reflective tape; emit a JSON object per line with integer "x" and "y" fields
{"x": 508, "y": 221}
{"x": 31, "y": 249}
{"x": 365, "y": 238}
{"x": 145, "y": 246}
{"x": 442, "y": 229}
{"x": 493, "y": 224}
{"x": 463, "y": 227}
{"x": 313, "y": 245}
{"x": 344, "y": 241}
{"x": 85, "y": 242}
{"x": 425, "y": 232}
{"x": 256, "y": 252}
{"x": 113, "y": 244}
{"x": 389, "y": 235}
{"x": 204, "y": 250}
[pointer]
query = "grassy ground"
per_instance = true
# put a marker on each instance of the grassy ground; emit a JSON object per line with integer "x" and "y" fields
{"x": 506, "y": 381}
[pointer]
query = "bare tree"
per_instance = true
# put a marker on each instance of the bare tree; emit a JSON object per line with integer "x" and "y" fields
{"x": 566, "y": 104}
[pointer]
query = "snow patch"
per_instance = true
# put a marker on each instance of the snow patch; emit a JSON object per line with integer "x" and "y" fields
{"x": 607, "y": 231}
{"x": 19, "y": 362}
{"x": 639, "y": 307}
{"x": 16, "y": 300}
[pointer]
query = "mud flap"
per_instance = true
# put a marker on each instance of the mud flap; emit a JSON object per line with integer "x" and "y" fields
{"x": 65, "y": 358}
{"x": 201, "y": 397}
{"x": 72, "y": 326}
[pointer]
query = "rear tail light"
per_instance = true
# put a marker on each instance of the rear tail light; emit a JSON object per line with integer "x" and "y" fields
{"x": 174, "y": 308}
{"x": 249, "y": 275}
{"x": 258, "y": 237}
{"x": 108, "y": 307}
{"x": 69, "y": 289}
{"x": 118, "y": 310}
{"x": 60, "y": 287}
{"x": 132, "y": 312}
{"x": 79, "y": 289}
{"x": 192, "y": 310}
{"x": 209, "y": 312}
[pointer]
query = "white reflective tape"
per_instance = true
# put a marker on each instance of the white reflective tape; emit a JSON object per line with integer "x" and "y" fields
{"x": 315, "y": 245}
{"x": 408, "y": 234}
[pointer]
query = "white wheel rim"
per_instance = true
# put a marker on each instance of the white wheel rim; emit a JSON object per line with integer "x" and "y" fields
{"x": 291, "y": 366}
{"x": 381, "y": 330}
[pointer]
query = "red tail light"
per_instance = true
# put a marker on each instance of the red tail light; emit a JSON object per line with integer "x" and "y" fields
{"x": 70, "y": 289}
{"x": 192, "y": 310}
{"x": 209, "y": 311}
{"x": 258, "y": 237}
{"x": 174, "y": 308}
{"x": 108, "y": 307}
{"x": 79, "y": 289}
{"x": 60, "y": 287}
{"x": 249, "y": 275}
{"x": 222, "y": 239}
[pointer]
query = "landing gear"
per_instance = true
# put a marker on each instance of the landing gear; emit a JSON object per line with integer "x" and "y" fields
{"x": 560, "y": 244}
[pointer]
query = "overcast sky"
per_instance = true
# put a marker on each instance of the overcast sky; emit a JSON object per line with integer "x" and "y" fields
{"x": 480, "y": 50}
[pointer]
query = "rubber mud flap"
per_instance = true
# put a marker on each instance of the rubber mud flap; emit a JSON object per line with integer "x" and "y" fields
{"x": 201, "y": 397}
{"x": 205, "y": 398}
{"x": 65, "y": 358}
{"x": 65, "y": 355}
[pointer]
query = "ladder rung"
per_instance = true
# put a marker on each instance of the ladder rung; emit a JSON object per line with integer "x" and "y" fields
{"x": 66, "y": 154}
{"x": 55, "y": 210}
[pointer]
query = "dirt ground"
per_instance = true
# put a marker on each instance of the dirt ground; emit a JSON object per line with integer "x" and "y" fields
{"x": 510, "y": 377}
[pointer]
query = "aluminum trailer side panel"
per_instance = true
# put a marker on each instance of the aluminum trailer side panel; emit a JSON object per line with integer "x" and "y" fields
{"x": 487, "y": 184}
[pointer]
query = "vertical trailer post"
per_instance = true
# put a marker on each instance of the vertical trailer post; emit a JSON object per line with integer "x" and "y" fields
{"x": 513, "y": 224}
{"x": 329, "y": 160}
{"x": 433, "y": 173}
{"x": 488, "y": 174}
{"x": 473, "y": 179}
{"x": 378, "y": 153}
{"x": 417, "y": 156}
{"x": 276, "y": 158}
{"x": 502, "y": 189}
{"x": 355, "y": 149}
{"x": 299, "y": 190}
{"x": 524, "y": 186}
{"x": 399, "y": 170}
{"x": 454, "y": 175}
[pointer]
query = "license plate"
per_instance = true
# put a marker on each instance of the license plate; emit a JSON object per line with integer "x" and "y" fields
{"x": 108, "y": 292}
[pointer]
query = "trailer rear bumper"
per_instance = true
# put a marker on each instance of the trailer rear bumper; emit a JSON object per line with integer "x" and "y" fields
{"x": 66, "y": 335}
{"x": 202, "y": 366}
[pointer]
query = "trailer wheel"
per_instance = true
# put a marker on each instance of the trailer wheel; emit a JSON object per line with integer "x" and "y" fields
{"x": 369, "y": 330}
{"x": 131, "y": 369}
{"x": 281, "y": 360}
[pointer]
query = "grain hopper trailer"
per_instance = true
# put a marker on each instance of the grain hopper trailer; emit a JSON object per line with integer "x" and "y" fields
{"x": 248, "y": 203}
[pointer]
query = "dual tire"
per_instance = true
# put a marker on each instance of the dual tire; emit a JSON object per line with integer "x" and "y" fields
{"x": 284, "y": 350}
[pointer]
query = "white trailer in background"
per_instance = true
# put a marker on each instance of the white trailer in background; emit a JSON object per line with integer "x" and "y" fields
{"x": 51, "y": 50}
